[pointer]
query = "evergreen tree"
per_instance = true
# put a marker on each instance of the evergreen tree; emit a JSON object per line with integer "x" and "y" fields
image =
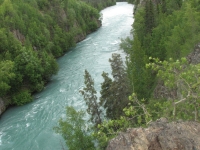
{"x": 163, "y": 6}
{"x": 141, "y": 78}
{"x": 114, "y": 94}
{"x": 149, "y": 16}
{"x": 106, "y": 93}
{"x": 89, "y": 94}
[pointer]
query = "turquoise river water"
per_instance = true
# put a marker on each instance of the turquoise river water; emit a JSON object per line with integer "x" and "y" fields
{"x": 30, "y": 127}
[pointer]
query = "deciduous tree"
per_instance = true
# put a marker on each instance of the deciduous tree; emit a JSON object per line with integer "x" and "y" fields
{"x": 183, "y": 78}
{"x": 75, "y": 131}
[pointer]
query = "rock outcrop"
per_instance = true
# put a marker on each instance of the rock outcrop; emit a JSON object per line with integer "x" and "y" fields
{"x": 160, "y": 135}
{"x": 2, "y": 106}
{"x": 194, "y": 57}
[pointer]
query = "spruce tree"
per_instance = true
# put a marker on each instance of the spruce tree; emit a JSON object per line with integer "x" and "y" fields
{"x": 114, "y": 94}
{"x": 149, "y": 16}
{"x": 89, "y": 94}
{"x": 106, "y": 93}
{"x": 164, "y": 6}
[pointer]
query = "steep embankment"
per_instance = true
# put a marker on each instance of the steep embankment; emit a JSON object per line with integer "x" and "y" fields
{"x": 34, "y": 33}
{"x": 100, "y": 4}
{"x": 169, "y": 32}
{"x": 159, "y": 135}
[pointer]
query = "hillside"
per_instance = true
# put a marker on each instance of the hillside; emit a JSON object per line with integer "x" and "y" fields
{"x": 32, "y": 34}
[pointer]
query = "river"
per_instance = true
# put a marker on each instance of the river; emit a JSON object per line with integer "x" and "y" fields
{"x": 30, "y": 127}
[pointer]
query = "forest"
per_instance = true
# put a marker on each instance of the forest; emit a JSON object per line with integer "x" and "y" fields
{"x": 160, "y": 78}
{"x": 33, "y": 33}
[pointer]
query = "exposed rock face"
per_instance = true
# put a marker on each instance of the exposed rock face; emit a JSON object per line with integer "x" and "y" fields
{"x": 194, "y": 57}
{"x": 2, "y": 106}
{"x": 19, "y": 36}
{"x": 160, "y": 135}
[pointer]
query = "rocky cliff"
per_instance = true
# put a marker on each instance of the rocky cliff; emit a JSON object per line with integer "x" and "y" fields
{"x": 2, "y": 106}
{"x": 194, "y": 57}
{"x": 160, "y": 135}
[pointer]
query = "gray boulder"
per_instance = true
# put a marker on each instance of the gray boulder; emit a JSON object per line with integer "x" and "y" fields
{"x": 160, "y": 135}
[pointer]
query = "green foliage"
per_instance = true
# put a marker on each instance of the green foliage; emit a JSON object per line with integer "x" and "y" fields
{"x": 185, "y": 32}
{"x": 30, "y": 67}
{"x": 6, "y": 74}
{"x": 135, "y": 114}
{"x": 173, "y": 5}
{"x": 114, "y": 94}
{"x": 89, "y": 94}
{"x": 105, "y": 90}
{"x": 75, "y": 131}
{"x": 183, "y": 78}
{"x": 160, "y": 108}
{"x": 100, "y": 4}
{"x": 114, "y": 98}
{"x": 142, "y": 79}
{"x": 139, "y": 24}
{"x": 126, "y": 44}
{"x": 161, "y": 30}
{"x": 108, "y": 130}
{"x": 35, "y": 32}
{"x": 9, "y": 45}
{"x": 49, "y": 64}
{"x": 21, "y": 98}
{"x": 164, "y": 29}
{"x": 149, "y": 16}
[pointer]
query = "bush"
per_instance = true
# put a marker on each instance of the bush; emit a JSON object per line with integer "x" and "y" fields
{"x": 22, "y": 98}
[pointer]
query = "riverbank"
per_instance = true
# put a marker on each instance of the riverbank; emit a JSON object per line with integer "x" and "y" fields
{"x": 31, "y": 58}
{"x": 5, "y": 102}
